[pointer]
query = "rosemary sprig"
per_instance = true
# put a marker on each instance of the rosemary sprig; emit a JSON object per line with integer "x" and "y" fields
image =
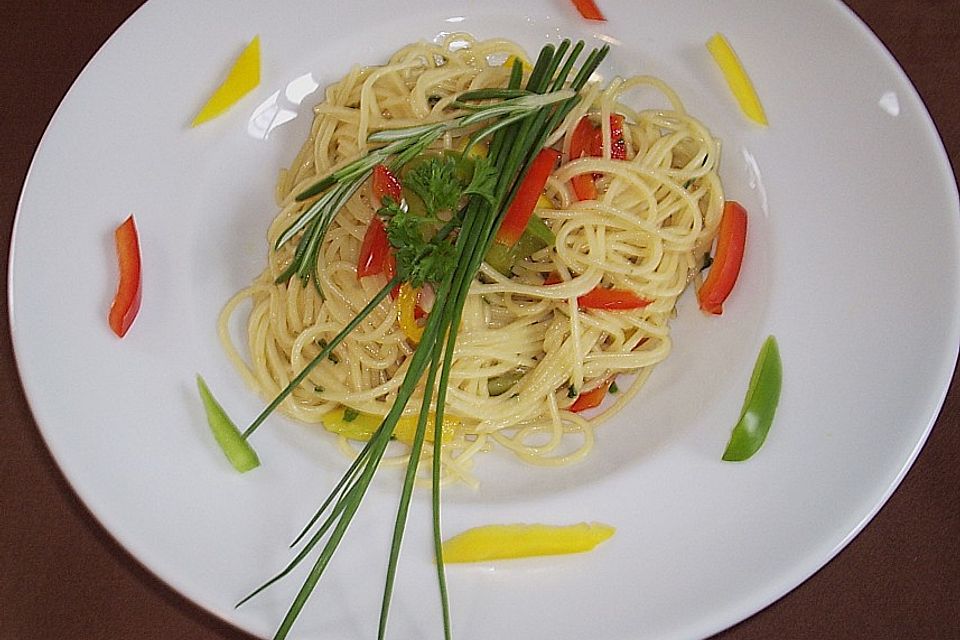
{"x": 524, "y": 118}
{"x": 402, "y": 145}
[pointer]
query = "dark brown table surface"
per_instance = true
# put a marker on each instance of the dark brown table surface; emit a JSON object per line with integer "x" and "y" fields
{"x": 63, "y": 576}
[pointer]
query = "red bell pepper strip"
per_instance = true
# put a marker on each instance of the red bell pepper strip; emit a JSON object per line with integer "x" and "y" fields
{"x": 591, "y": 398}
{"x": 587, "y": 140}
{"x": 126, "y": 303}
{"x": 375, "y": 251}
{"x": 589, "y": 10}
{"x": 611, "y": 300}
{"x": 385, "y": 183}
{"x": 376, "y": 257}
{"x": 618, "y": 146}
{"x": 581, "y": 144}
{"x": 523, "y": 204}
{"x": 731, "y": 239}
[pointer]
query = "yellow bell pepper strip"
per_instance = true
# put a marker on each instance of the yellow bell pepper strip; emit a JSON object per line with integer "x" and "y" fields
{"x": 238, "y": 451}
{"x": 357, "y": 425}
{"x": 508, "y": 63}
{"x": 731, "y": 240}
{"x": 759, "y": 406}
{"x": 589, "y": 10}
{"x": 407, "y": 312}
{"x": 244, "y": 76}
{"x": 508, "y": 541}
{"x": 126, "y": 302}
{"x": 737, "y": 78}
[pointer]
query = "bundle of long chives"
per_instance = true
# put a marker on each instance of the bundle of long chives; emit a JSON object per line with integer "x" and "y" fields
{"x": 526, "y": 133}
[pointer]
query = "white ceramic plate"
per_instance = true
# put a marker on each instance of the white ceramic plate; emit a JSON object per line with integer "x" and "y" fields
{"x": 852, "y": 263}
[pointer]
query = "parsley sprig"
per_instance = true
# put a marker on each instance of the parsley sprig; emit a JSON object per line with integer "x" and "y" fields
{"x": 423, "y": 241}
{"x": 516, "y": 139}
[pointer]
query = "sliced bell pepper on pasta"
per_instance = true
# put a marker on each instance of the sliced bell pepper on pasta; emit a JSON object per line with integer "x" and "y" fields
{"x": 357, "y": 425}
{"x": 587, "y": 140}
{"x": 731, "y": 240}
{"x": 375, "y": 250}
{"x": 407, "y": 299}
{"x": 521, "y": 208}
{"x": 581, "y": 144}
{"x": 510, "y": 541}
{"x": 385, "y": 183}
{"x": 244, "y": 76}
{"x": 611, "y": 300}
{"x": 592, "y": 398}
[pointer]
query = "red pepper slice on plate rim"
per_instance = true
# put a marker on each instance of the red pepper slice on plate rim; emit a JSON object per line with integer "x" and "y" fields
{"x": 126, "y": 302}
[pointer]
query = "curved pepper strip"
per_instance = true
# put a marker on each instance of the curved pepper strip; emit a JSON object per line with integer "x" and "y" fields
{"x": 731, "y": 239}
{"x": 126, "y": 302}
{"x": 737, "y": 79}
{"x": 521, "y": 207}
{"x": 759, "y": 406}
{"x": 244, "y": 76}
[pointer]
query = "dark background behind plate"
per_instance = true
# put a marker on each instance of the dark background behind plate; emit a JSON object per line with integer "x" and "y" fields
{"x": 63, "y": 576}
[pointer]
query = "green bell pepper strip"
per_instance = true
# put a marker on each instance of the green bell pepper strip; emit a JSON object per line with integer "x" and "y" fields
{"x": 228, "y": 436}
{"x": 759, "y": 406}
{"x": 537, "y": 235}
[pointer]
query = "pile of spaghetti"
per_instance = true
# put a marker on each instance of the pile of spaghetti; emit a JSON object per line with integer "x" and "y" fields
{"x": 622, "y": 223}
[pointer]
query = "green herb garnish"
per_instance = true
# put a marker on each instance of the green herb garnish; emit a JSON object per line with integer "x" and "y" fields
{"x": 399, "y": 147}
{"x": 521, "y": 122}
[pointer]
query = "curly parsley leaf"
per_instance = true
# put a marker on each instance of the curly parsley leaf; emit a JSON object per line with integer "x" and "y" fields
{"x": 483, "y": 182}
{"x": 435, "y": 181}
{"x": 419, "y": 259}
